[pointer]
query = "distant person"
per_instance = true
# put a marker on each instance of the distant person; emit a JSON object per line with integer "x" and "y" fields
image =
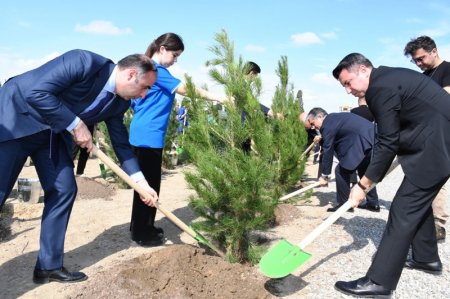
{"x": 149, "y": 127}
{"x": 43, "y": 112}
{"x": 182, "y": 118}
{"x": 363, "y": 110}
{"x": 313, "y": 137}
{"x": 424, "y": 54}
{"x": 252, "y": 70}
{"x": 413, "y": 122}
{"x": 349, "y": 137}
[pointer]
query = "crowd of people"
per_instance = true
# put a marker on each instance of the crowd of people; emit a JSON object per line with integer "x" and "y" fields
{"x": 49, "y": 113}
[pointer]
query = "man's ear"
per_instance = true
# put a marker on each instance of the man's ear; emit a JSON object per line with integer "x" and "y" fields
{"x": 131, "y": 73}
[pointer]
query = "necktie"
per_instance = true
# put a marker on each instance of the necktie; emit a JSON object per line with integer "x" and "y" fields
{"x": 96, "y": 106}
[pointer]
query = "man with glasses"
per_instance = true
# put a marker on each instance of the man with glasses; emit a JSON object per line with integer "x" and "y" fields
{"x": 413, "y": 122}
{"x": 424, "y": 54}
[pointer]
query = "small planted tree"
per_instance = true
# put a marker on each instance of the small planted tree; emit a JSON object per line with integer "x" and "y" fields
{"x": 237, "y": 190}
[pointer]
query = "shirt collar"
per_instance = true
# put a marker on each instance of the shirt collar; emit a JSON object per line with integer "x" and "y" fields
{"x": 111, "y": 83}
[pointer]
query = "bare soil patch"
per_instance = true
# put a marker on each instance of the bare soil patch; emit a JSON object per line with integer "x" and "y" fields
{"x": 89, "y": 188}
{"x": 179, "y": 271}
{"x": 98, "y": 243}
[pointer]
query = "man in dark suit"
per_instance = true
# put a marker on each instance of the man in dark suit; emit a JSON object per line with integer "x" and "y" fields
{"x": 412, "y": 113}
{"x": 349, "y": 137}
{"x": 43, "y": 112}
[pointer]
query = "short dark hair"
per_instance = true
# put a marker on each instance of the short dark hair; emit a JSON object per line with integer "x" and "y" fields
{"x": 350, "y": 61}
{"x": 141, "y": 62}
{"x": 422, "y": 42}
{"x": 314, "y": 112}
{"x": 252, "y": 67}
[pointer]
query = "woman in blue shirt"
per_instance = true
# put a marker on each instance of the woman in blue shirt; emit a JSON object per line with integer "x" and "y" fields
{"x": 148, "y": 129}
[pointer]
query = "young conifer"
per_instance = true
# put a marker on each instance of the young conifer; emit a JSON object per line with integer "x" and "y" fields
{"x": 237, "y": 188}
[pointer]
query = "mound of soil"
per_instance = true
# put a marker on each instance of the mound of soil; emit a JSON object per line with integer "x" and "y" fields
{"x": 178, "y": 271}
{"x": 285, "y": 213}
{"x": 89, "y": 189}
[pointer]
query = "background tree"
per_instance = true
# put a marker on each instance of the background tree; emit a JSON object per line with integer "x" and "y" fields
{"x": 236, "y": 190}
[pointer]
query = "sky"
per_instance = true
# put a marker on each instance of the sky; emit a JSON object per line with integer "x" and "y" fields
{"x": 314, "y": 35}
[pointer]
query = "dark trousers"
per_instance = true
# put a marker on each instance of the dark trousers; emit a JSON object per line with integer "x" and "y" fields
{"x": 410, "y": 223}
{"x": 143, "y": 216}
{"x": 60, "y": 189}
{"x": 83, "y": 156}
{"x": 343, "y": 180}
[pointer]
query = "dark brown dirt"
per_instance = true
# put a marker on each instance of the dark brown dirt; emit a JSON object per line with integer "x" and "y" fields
{"x": 285, "y": 213}
{"x": 89, "y": 189}
{"x": 178, "y": 271}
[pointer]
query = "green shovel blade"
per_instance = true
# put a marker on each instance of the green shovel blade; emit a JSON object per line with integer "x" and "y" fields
{"x": 282, "y": 259}
{"x": 201, "y": 239}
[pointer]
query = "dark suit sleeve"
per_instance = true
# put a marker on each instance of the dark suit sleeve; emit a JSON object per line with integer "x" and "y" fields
{"x": 385, "y": 105}
{"x": 54, "y": 78}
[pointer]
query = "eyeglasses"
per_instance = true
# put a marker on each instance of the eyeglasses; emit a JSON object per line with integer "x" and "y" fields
{"x": 418, "y": 59}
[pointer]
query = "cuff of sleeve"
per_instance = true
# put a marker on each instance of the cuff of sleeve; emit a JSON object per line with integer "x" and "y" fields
{"x": 73, "y": 124}
{"x": 137, "y": 176}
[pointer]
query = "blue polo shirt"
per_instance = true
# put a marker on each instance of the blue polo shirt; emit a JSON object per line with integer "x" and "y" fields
{"x": 151, "y": 114}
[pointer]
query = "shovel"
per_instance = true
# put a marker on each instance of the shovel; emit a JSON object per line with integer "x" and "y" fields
{"x": 124, "y": 176}
{"x": 285, "y": 257}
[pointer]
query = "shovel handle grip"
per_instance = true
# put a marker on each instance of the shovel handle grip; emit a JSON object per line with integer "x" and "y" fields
{"x": 324, "y": 225}
{"x": 124, "y": 176}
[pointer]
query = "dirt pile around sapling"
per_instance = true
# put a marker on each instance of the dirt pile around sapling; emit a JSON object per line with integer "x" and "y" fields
{"x": 178, "y": 271}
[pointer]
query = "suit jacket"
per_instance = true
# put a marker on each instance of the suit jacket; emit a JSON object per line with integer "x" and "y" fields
{"x": 50, "y": 96}
{"x": 347, "y": 135}
{"x": 412, "y": 113}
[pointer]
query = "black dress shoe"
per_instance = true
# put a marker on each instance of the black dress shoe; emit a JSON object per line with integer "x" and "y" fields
{"x": 334, "y": 209}
{"x": 363, "y": 287}
{"x": 372, "y": 208}
{"x": 159, "y": 231}
{"x": 59, "y": 275}
{"x": 432, "y": 268}
{"x": 150, "y": 242}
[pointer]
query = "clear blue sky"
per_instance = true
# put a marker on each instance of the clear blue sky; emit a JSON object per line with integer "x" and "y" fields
{"x": 314, "y": 35}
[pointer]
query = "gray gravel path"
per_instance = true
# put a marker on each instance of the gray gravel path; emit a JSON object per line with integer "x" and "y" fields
{"x": 344, "y": 252}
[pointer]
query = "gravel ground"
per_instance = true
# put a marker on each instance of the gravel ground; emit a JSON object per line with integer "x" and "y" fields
{"x": 344, "y": 252}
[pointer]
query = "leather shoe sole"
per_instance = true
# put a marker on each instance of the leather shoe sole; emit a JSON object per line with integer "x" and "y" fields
{"x": 59, "y": 275}
{"x": 432, "y": 268}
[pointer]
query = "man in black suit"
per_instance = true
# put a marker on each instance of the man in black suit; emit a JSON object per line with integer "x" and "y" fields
{"x": 412, "y": 113}
{"x": 349, "y": 137}
{"x": 43, "y": 112}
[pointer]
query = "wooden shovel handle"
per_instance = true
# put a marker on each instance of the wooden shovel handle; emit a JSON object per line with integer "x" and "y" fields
{"x": 324, "y": 225}
{"x": 308, "y": 149}
{"x": 313, "y": 185}
{"x": 124, "y": 176}
{"x": 299, "y": 191}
